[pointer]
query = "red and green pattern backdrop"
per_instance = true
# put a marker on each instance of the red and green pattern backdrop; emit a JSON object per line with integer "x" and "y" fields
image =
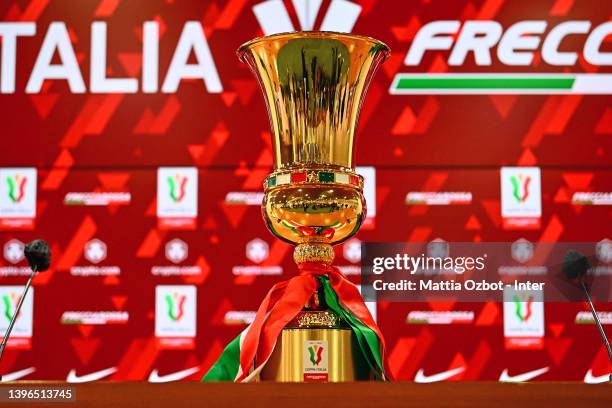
{"x": 114, "y": 142}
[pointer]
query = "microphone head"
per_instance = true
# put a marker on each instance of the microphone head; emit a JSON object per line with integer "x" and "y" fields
{"x": 575, "y": 264}
{"x": 38, "y": 255}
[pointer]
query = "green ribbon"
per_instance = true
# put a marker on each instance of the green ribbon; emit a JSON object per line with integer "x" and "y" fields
{"x": 226, "y": 367}
{"x": 367, "y": 340}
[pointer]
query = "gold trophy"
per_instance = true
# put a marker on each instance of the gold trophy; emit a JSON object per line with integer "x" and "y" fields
{"x": 314, "y": 84}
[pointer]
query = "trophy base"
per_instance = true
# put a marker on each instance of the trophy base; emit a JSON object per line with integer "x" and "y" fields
{"x": 316, "y": 355}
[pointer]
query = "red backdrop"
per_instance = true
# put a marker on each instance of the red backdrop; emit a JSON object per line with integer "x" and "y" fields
{"x": 115, "y": 142}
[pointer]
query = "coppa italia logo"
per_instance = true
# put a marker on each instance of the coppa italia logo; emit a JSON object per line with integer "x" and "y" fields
{"x": 176, "y": 306}
{"x": 273, "y": 16}
{"x": 523, "y": 310}
{"x": 523, "y": 318}
{"x": 175, "y": 316}
{"x": 315, "y": 354}
{"x": 10, "y": 296}
{"x": 176, "y": 186}
{"x": 177, "y": 197}
{"x": 16, "y": 187}
{"x": 315, "y": 362}
{"x": 521, "y": 197}
{"x": 488, "y": 43}
{"x": 10, "y": 302}
{"x": 17, "y": 197}
{"x": 520, "y": 187}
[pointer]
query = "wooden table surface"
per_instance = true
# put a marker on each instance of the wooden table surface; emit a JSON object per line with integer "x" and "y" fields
{"x": 272, "y": 395}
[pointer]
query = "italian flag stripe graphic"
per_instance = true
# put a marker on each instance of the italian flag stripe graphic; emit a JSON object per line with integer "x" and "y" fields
{"x": 461, "y": 84}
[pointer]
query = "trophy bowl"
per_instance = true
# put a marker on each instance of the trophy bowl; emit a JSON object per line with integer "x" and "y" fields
{"x": 313, "y": 85}
{"x": 314, "y": 216}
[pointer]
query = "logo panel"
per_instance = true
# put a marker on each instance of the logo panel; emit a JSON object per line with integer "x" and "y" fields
{"x": 316, "y": 361}
{"x": 176, "y": 251}
{"x": 603, "y": 251}
{"x": 17, "y": 198}
{"x": 523, "y": 318}
{"x": 522, "y": 250}
{"x": 521, "y": 197}
{"x": 21, "y": 335}
{"x": 177, "y": 197}
{"x": 13, "y": 251}
{"x": 95, "y": 251}
{"x": 175, "y": 315}
{"x": 257, "y": 251}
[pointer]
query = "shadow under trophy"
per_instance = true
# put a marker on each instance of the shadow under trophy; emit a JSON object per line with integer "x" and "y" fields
{"x": 315, "y": 326}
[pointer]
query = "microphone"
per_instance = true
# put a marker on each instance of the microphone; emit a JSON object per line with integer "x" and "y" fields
{"x": 38, "y": 256}
{"x": 575, "y": 266}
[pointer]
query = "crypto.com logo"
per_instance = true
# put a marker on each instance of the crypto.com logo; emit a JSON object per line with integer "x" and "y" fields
{"x": 175, "y": 314}
{"x": 257, "y": 250}
{"x": 13, "y": 251}
{"x": 316, "y": 353}
{"x": 176, "y": 306}
{"x": 438, "y": 248}
{"x": 177, "y": 186}
{"x": 176, "y": 251}
{"x": 273, "y": 16}
{"x": 351, "y": 250}
{"x": 603, "y": 250}
{"x": 520, "y": 187}
{"x": 10, "y": 302}
{"x": 522, "y": 250}
{"x": 523, "y": 310}
{"x": 16, "y": 187}
{"x": 95, "y": 251}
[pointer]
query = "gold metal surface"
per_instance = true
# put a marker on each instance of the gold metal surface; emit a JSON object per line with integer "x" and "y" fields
{"x": 345, "y": 362}
{"x": 333, "y": 213}
{"x": 316, "y": 319}
{"x": 313, "y": 84}
{"x": 314, "y": 252}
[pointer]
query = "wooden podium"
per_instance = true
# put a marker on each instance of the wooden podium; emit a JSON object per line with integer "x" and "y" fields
{"x": 349, "y": 395}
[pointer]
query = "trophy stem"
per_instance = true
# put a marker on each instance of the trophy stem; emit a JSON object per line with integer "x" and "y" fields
{"x": 313, "y": 252}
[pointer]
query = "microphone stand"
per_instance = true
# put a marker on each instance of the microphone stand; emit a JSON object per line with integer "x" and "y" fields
{"x": 597, "y": 321}
{"x": 14, "y": 318}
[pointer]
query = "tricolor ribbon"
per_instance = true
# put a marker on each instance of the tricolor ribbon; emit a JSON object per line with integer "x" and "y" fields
{"x": 282, "y": 303}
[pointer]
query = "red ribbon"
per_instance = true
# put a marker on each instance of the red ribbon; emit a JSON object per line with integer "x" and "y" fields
{"x": 286, "y": 299}
{"x": 306, "y": 231}
{"x": 311, "y": 232}
{"x": 328, "y": 233}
